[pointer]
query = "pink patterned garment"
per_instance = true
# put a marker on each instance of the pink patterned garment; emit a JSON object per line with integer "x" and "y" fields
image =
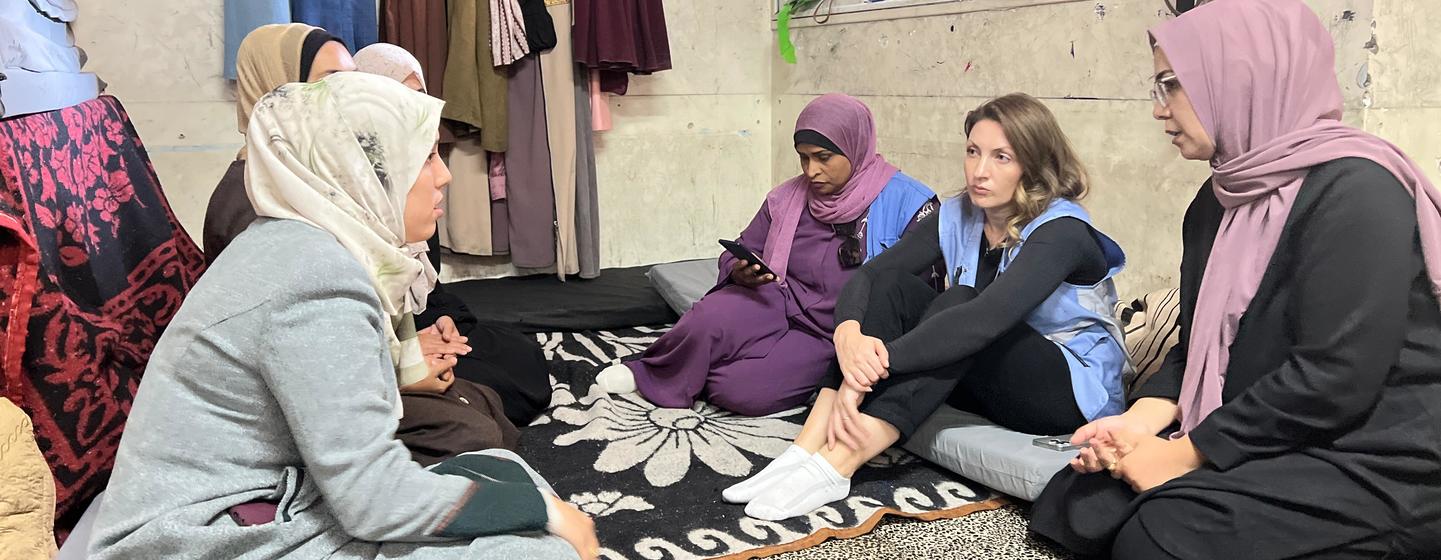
{"x": 508, "y": 41}
{"x": 93, "y": 265}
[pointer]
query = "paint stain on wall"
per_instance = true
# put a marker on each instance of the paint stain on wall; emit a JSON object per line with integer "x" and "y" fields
{"x": 1100, "y": 11}
{"x": 1348, "y": 15}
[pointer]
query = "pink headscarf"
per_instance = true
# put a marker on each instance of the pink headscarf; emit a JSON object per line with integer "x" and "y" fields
{"x": 1261, "y": 78}
{"x": 848, "y": 123}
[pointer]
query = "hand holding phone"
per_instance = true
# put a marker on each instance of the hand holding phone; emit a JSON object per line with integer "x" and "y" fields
{"x": 749, "y": 270}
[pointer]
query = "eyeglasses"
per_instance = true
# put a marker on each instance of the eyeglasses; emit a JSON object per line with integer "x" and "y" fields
{"x": 850, "y": 252}
{"x": 1166, "y": 83}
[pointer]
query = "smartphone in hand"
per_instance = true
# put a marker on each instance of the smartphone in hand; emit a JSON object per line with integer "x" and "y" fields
{"x": 741, "y": 252}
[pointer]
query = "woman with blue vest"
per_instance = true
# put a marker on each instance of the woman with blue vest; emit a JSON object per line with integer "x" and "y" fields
{"x": 760, "y": 342}
{"x": 1023, "y": 335}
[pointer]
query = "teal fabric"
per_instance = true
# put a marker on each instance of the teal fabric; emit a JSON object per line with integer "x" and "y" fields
{"x": 244, "y": 16}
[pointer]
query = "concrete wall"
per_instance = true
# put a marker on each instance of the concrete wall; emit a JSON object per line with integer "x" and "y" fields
{"x": 1405, "y": 101}
{"x": 921, "y": 69}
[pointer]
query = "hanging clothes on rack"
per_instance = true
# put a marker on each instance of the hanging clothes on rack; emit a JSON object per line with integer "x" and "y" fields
{"x": 529, "y": 194}
{"x": 599, "y": 105}
{"x": 619, "y": 37}
{"x": 587, "y": 208}
{"x": 354, "y": 22}
{"x": 557, "y": 70}
{"x": 475, "y": 90}
{"x": 465, "y": 227}
{"x": 419, "y": 26}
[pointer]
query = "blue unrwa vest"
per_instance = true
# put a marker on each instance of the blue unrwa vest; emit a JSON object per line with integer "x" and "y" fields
{"x": 891, "y": 212}
{"x": 1079, "y": 319}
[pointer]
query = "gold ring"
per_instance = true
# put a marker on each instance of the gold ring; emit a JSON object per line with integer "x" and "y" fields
{"x": 1111, "y": 467}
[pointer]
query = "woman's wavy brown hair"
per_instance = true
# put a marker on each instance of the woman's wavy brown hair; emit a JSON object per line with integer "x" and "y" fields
{"x": 1049, "y": 166}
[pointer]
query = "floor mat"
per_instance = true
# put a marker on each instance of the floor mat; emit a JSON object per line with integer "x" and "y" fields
{"x": 652, "y": 477}
{"x": 620, "y": 297}
{"x": 998, "y": 533}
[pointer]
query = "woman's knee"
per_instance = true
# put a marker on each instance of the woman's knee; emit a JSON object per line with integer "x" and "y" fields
{"x": 952, "y": 297}
{"x": 747, "y": 402}
{"x": 1133, "y": 541}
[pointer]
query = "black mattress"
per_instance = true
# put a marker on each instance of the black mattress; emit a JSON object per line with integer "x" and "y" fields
{"x": 619, "y": 297}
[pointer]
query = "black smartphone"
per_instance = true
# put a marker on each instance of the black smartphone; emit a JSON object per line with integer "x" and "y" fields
{"x": 1058, "y": 443}
{"x": 741, "y": 252}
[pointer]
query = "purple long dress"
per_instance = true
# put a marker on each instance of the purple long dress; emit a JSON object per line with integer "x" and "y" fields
{"x": 754, "y": 351}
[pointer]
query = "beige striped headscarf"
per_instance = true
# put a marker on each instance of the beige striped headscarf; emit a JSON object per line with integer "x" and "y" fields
{"x": 268, "y": 57}
{"x": 508, "y": 41}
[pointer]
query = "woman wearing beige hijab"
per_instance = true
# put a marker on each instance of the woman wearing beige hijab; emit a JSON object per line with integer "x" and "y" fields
{"x": 270, "y": 56}
{"x": 265, "y": 424}
{"x": 496, "y": 357}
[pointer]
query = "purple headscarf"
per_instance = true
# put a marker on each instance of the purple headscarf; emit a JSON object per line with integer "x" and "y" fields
{"x": 1262, "y": 80}
{"x": 848, "y": 123}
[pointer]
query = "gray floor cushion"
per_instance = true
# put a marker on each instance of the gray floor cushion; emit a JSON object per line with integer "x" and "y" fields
{"x": 986, "y": 453}
{"x": 681, "y": 284}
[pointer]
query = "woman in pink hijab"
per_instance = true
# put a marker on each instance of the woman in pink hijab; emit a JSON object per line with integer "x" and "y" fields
{"x": 1301, "y": 414}
{"x": 760, "y": 341}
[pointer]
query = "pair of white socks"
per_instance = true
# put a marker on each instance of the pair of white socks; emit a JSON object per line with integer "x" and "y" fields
{"x": 794, "y": 484}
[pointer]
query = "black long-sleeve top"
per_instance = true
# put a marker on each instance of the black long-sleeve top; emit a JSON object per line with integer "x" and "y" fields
{"x": 1338, "y": 356}
{"x": 1062, "y": 250}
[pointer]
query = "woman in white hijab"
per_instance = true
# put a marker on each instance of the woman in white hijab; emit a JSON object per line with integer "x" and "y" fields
{"x": 502, "y": 360}
{"x": 264, "y": 426}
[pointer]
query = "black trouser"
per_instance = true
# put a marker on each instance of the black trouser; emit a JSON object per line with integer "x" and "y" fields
{"x": 1020, "y": 381}
{"x": 513, "y": 365}
{"x": 1286, "y": 506}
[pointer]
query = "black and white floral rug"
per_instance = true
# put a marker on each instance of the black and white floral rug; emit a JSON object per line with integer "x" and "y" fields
{"x": 652, "y": 477}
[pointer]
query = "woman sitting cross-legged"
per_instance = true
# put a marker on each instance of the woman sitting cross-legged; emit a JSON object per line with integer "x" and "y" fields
{"x": 1023, "y": 335}
{"x": 760, "y": 343}
{"x": 1307, "y": 385}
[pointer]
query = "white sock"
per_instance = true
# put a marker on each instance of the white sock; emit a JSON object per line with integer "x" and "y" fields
{"x": 746, "y": 490}
{"x": 616, "y": 379}
{"x": 810, "y": 485}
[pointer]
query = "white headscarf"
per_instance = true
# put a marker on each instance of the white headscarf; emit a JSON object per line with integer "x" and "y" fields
{"x": 396, "y": 63}
{"x": 341, "y": 154}
{"x": 391, "y": 61}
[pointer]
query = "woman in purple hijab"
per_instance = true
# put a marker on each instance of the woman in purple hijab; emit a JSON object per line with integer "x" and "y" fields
{"x": 1301, "y": 416}
{"x": 759, "y": 342}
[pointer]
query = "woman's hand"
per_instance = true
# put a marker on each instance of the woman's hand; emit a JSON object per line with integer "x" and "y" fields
{"x": 1154, "y": 461}
{"x": 749, "y": 275}
{"x": 1147, "y": 417}
{"x": 450, "y": 334}
{"x": 442, "y": 375}
{"x": 575, "y": 527}
{"x": 437, "y": 340}
{"x": 864, "y": 359}
{"x": 1101, "y": 435}
{"x": 844, "y": 427}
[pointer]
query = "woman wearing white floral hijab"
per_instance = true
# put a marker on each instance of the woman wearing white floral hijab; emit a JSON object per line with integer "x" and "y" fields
{"x": 270, "y": 402}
